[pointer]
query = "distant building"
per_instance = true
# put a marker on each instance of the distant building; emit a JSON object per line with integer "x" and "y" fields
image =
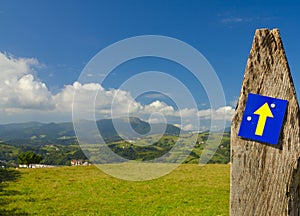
{"x": 80, "y": 163}
{"x": 76, "y": 162}
{"x": 35, "y": 166}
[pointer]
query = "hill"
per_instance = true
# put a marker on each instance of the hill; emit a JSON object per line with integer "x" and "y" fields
{"x": 141, "y": 149}
{"x": 36, "y": 133}
{"x": 58, "y": 145}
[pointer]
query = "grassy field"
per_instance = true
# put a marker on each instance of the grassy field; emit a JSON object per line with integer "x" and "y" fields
{"x": 189, "y": 190}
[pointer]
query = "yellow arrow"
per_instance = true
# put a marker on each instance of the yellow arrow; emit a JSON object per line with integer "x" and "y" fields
{"x": 263, "y": 112}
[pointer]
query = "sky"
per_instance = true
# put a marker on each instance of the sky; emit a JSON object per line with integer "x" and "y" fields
{"x": 45, "y": 46}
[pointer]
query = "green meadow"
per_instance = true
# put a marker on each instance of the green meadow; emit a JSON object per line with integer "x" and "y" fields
{"x": 191, "y": 189}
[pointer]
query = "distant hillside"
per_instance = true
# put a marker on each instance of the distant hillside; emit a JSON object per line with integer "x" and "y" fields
{"x": 139, "y": 127}
{"x": 36, "y": 133}
{"x": 57, "y": 143}
{"x": 142, "y": 149}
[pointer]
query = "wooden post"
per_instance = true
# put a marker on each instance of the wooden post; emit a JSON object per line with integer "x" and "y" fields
{"x": 265, "y": 178}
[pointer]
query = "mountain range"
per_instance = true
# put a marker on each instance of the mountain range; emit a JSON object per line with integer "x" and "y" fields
{"x": 38, "y": 133}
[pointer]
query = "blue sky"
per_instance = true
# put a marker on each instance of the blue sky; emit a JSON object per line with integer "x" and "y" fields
{"x": 62, "y": 36}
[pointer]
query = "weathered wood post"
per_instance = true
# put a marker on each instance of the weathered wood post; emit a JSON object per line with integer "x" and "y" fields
{"x": 264, "y": 177}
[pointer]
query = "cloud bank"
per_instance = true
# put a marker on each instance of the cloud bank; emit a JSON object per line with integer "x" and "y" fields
{"x": 24, "y": 97}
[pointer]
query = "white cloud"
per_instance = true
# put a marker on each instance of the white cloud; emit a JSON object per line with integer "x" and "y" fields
{"x": 234, "y": 102}
{"x": 159, "y": 107}
{"x": 24, "y": 96}
{"x": 15, "y": 67}
{"x": 92, "y": 97}
{"x": 229, "y": 18}
{"x": 19, "y": 89}
{"x": 225, "y": 112}
{"x": 63, "y": 100}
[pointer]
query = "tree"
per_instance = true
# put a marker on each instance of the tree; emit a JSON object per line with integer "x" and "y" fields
{"x": 29, "y": 158}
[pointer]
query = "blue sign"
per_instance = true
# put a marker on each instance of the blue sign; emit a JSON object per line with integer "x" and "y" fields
{"x": 263, "y": 118}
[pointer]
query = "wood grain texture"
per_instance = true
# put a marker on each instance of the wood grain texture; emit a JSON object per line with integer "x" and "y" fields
{"x": 265, "y": 178}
